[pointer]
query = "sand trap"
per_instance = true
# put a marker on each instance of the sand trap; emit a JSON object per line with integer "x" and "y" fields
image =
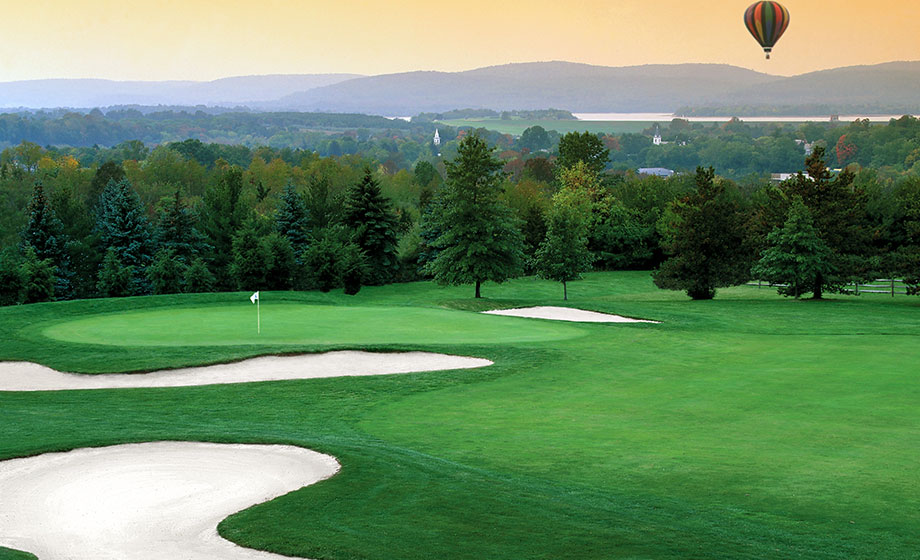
{"x": 148, "y": 501}
{"x": 25, "y": 376}
{"x": 566, "y": 314}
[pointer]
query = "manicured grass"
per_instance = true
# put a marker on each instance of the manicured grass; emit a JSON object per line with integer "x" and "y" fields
{"x": 9, "y": 554}
{"x": 229, "y": 324}
{"x": 750, "y": 426}
{"x": 516, "y": 127}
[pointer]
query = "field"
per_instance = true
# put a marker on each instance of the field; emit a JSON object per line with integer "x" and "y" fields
{"x": 516, "y": 127}
{"x": 750, "y": 426}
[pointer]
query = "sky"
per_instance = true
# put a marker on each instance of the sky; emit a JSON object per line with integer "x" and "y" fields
{"x": 209, "y": 39}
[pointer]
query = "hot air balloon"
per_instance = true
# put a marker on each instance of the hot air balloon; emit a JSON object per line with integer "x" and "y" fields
{"x": 766, "y": 21}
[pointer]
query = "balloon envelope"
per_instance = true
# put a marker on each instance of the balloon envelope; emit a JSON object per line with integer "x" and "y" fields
{"x": 766, "y": 21}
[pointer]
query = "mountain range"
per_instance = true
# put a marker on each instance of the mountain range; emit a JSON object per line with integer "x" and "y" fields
{"x": 691, "y": 88}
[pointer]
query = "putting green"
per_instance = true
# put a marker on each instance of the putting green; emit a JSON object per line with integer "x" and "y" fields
{"x": 305, "y": 324}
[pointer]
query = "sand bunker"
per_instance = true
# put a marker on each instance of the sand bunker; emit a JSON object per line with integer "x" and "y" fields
{"x": 148, "y": 501}
{"x": 566, "y": 314}
{"x": 25, "y": 376}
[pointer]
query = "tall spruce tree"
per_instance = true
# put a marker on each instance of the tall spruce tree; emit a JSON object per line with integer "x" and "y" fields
{"x": 124, "y": 228}
{"x": 45, "y": 234}
{"x": 222, "y": 214}
{"x": 12, "y": 280}
{"x": 478, "y": 239}
{"x": 176, "y": 232}
{"x": 796, "y": 254}
{"x": 369, "y": 215}
{"x": 839, "y": 212}
{"x": 705, "y": 238}
{"x": 292, "y": 220}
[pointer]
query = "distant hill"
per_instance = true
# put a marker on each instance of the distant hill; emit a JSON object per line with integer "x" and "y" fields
{"x": 892, "y": 87}
{"x": 536, "y": 85}
{"x": 89, "y": 93}
{"x": 684, "y": 88}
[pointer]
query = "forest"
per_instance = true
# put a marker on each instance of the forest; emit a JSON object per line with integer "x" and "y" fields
{"x": 78, "y": 222}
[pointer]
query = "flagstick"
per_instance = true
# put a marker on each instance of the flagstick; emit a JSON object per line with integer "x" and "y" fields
{"x": 258, "y": 317}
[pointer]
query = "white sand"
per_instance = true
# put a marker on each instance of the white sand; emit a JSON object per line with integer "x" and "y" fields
{"x": 148, "y": 501}
{"x": 25, "y": 376}
{"x": 566, "y": 314}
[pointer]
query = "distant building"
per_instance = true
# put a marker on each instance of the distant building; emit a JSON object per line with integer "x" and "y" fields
{"x": 780, "y": 177}
{"x": 656, "y": 139}
{"x": 657, "y": 171}
{"x": 437, "y": 138}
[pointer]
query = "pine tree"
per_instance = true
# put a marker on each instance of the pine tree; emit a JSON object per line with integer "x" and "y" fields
{"x": 12, "y": 281}
{"x": 198, "y": 279}
{"x": 124, "y": 229}
{"x": 705, "y": 238}
{"x": 166, "y": 272}
{"x": 250, "y": 263}
{"x": 839, "y": 213}
{"x": 82, "y": 246}
{"x": 333, "y": 260}
{"x": 176, "y": 232}
{"x": 478, "y": 240}
{"x": 38, "y": 277}
{"x": 45, "y": 234}
{"x": 115, "y": 279}
{"x": 564, "y": 255}
{"x": 292, "y": 220}
{"x": 223, "y": 213}
{"x": 280, "y": 264}
{"x": 370, "y": 217}
{"x": 796, "y": 255}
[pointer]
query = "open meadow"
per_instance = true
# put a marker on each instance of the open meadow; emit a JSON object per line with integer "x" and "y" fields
{"x": 749, "y": 426}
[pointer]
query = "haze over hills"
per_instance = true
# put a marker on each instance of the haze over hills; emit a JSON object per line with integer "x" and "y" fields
{"x": 89, "y": 93}
{"x": 685, "y": 88}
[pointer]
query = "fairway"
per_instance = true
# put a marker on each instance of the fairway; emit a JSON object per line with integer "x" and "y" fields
{"x": 303, "y": 324}
{"x": 750, "y": 426}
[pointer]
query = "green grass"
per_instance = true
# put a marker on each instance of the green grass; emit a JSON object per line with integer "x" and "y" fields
{"x": 516, "y": 127}
{"x": 10, "y": 554}
{"x": 750, "y": 426}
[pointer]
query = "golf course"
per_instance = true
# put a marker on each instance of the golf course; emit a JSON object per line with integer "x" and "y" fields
{"x": 748, "y": 426}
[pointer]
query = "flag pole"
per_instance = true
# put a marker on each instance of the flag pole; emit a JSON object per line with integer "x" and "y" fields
{"x": 258, "y": 317}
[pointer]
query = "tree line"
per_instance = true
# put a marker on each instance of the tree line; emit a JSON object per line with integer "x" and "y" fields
{"x": 168, "y": 224}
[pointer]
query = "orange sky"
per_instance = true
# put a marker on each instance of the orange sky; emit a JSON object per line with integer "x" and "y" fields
{"x": 205, "y": 39}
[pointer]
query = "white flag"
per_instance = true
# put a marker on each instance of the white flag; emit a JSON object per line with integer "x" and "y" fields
{"x": 254, "y": 297}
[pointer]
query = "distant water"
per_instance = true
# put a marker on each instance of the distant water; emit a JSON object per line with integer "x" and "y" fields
{"x": 666, "y": 117}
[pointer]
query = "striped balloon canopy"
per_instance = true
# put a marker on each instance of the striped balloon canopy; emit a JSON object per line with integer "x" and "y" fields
{"x": 766, "y": 21}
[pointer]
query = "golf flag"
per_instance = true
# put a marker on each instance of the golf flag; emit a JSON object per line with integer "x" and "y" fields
{"x": 254, "y": 298}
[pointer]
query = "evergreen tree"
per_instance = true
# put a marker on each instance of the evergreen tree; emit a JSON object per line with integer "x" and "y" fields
{"x": 704, "y": 236}
{"x": 280, "y": 264}
{"x": 12, "y": 281}
{"x": 370, "y": 217}
{"x": 333, "y": 260}
{"x": 176, "y": 232}
{"x": 198, "y": 279}
{"x": 478, "y": 240}
{"x": 115, "y": 279}
{"x": 250, "y": 263}
{"x": 292, "y": 220}
{"x": 222, "y": 213}
{"x": 124, "y": 228}
{"x": 37, "y": 276}
{"x": 166, "y": 273}
{"x": 796, "y": 254}
{"x": 564, "y": 256}
{"x": 45, "y": 234}
{"x": 839, "y": 212}
{"x": 106, "y": 173}
{"x": 82, "y": 247}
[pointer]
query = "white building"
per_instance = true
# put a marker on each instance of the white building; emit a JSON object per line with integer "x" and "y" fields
{"x": 437, "y": 138}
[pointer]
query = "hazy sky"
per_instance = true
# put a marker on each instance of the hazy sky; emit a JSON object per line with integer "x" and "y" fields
{"x": 205, "y": 39}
